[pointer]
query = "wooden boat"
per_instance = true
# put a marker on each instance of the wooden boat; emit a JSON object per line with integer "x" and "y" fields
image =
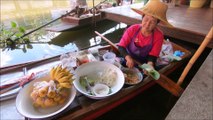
{"x": 70, "y": 22}
{"x": 86, "y": 19}
{"x": 84, "y": 16}
{"x": 85, "y": 108}
{"x": 80, "y": 17}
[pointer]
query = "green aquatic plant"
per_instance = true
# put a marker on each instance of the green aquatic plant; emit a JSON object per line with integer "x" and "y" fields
{"x": 13, "y": 37}
{"x": 16, "y": 37}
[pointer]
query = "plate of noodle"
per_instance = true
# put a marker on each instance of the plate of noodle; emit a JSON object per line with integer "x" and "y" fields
{"x": 132, "y": 76}
{"x": 98, "y": 79}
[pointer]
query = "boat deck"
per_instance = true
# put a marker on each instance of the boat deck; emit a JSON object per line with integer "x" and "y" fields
{"x": 85, "y": 108}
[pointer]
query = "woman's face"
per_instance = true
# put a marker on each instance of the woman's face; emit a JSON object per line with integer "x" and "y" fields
{"x": 149, "y": 23}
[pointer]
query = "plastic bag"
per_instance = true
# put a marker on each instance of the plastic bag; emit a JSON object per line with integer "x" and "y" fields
{"x": 166, "y": 50}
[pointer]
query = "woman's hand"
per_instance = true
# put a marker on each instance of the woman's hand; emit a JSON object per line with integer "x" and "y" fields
{"x": 129, "y": 61}
{"x": 151, "y": 64}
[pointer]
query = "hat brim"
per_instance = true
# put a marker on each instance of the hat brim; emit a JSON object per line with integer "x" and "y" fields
{"x": 163, "y": 21}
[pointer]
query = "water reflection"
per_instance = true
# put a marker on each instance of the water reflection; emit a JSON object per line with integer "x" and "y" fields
{"x": 38, "y": 52}
{"x": 26, "y": 13}
{"x": 84, "y": 36}
{"x": 65, "y": 42}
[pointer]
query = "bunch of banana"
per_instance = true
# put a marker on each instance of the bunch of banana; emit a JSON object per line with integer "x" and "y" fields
{"x": 62, "y": 76}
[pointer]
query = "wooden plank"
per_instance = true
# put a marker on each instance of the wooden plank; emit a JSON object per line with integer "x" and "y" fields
{"x": 191, "y": 24}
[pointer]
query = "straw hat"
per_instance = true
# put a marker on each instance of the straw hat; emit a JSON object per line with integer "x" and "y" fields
{"x": 156, "y": 9}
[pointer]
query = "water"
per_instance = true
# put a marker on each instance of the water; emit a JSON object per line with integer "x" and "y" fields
{"x": 49, "y": 44}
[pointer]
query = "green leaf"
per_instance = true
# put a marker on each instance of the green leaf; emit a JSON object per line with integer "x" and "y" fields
{"x": 26, "y": 40}
{"x": 22, "y": 29}
{"x": 6, "y": 32}
{"x": 9, "y": 43}
{"x": 151, "y": 71}
{"x": 18, "y": 35}
{"x": 83, "y": 82}
{"x": 18, "y": 41}
{"x": 13, "y": 24}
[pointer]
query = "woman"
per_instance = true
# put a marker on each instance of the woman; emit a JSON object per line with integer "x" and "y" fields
{"x": 142, "y": 42}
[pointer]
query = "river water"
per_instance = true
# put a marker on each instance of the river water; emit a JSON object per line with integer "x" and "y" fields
{"x": 26, "y": 14}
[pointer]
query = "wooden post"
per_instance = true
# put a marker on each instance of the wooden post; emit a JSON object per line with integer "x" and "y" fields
{"x": 195, "y": 56}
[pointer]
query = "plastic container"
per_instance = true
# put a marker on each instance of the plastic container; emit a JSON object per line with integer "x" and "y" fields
{"x": 109, "y": 57}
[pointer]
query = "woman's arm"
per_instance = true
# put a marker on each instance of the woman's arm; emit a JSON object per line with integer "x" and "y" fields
{"x": 152, "y": 59}
{"x": 128, "y": 58}
{"x": 123, "y": 51}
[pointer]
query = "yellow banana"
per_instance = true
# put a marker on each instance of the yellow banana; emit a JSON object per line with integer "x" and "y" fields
{"x": 60, "y": 75}
{"x": 52, "y": 73}
{"x": 64, "y": 79}
{"x": 58, "y": 70}
{"x": 65, "y": 85}
{"x": 67, "y": 71}
{"x": 70, "y": 76}
{"x": 64, "y": 70}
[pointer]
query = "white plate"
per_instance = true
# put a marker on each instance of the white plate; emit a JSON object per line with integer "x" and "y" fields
{"x": 25, "y": 107}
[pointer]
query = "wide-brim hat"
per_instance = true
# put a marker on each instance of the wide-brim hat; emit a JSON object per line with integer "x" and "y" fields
{"x": 156, "y": 9}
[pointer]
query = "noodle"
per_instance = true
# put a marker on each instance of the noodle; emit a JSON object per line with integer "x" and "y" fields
{"x": 108, "y": 77}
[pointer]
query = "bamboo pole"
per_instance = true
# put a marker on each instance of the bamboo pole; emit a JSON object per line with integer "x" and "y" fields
{"x": 205, "y": 42}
